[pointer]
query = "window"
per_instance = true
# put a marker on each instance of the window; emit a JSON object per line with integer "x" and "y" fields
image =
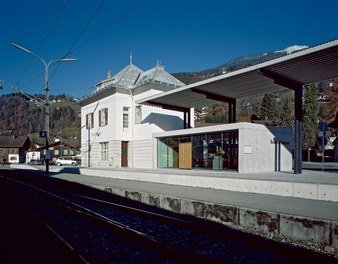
{"x": 2, "y": 151}
{"x": 138, "y": 114}
{"x": 13, "y": 151}
{"x": 103, "y": 117}
{"x": 125, "y": 117}
{"x": 90, "y": 120}
{"x": 104, "y": 151}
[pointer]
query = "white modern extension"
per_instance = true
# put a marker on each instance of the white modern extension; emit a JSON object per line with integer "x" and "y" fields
{"x": 117, "y": 132}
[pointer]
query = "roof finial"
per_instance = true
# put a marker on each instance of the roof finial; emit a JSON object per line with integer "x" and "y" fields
{"x": 131, "y": 58}
{"x": 159, "y": 64}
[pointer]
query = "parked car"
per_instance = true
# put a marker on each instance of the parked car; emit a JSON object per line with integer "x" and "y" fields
{"x": 66, "y": 161}
{"x": 35, "y": 162}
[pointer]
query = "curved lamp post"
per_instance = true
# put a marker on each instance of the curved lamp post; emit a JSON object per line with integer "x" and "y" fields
{"x": 46, "y": 133}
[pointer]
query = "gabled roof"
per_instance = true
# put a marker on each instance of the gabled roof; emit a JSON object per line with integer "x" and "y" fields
{"x": 158, "y": 75}
{"x": 13, "y": 141}
{"x": 127, "y": 77}
{"x": 132, "y": 77}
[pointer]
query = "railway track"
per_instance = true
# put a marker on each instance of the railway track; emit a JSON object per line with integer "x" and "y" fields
{"x": 103, "y": 230}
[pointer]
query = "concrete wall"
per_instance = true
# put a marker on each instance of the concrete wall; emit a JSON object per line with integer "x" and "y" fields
{"x": 269, "y": 224}
{"x": 263, "y": 148}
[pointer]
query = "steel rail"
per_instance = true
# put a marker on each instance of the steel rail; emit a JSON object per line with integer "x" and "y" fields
{"x": 172, "y": 251}
{"x": 61, "y": 244}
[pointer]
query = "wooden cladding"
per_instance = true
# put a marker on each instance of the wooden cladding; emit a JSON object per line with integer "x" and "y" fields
{"x": 185, "y": 157}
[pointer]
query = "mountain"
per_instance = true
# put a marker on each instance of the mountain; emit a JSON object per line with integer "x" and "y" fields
{"x": 246, "y": 61}
{"x": 236, "y": 64}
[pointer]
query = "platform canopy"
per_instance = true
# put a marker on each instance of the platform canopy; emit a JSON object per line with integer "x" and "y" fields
{"x": 317, "y": 63}
{"x": 292, "y": 71}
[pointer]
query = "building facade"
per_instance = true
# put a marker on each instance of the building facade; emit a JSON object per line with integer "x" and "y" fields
{"x": 13, "y": 149}
{"x": 116, "y": 131}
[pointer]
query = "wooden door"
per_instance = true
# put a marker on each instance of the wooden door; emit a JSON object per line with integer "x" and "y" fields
{"x": 124, "y": 154}
{"x": 185, "y": 157}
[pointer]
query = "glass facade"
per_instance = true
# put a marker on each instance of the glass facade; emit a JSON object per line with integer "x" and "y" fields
{"x": 213, "y": 151}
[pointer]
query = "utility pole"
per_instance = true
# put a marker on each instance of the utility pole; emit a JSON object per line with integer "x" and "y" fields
{"x": 46, "y": 132}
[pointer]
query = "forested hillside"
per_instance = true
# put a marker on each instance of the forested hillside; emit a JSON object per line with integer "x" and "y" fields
{"x": 23, "y": 116}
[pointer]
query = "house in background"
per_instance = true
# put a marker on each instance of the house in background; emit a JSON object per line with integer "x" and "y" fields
{"x": 13, "y": 148}
{"x": 60, "y": 147}
{"x": 118, "y": 132}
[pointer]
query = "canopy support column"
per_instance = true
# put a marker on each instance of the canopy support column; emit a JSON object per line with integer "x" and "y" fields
{"x": 232, "y": 112}
{"x": 298, "y": 130}
{"x": 187, "y": 119}
{"x": 287, "y": 82}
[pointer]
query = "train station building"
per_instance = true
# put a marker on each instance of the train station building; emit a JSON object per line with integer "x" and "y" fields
{"x": 157, "y": 122}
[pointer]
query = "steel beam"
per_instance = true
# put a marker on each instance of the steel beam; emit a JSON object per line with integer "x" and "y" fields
{"x": 279, "y": 79}
{"x": 184, "y": 110}
{"x": 221, "y": 98}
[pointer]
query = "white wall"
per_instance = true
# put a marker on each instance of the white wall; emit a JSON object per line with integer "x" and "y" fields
{"x": 257, "y": 148}
{"x": 154, "y": 120}
{"x": 141, "y": 153}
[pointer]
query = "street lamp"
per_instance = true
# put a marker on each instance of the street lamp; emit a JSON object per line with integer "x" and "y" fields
{"x": 46, "y": 134}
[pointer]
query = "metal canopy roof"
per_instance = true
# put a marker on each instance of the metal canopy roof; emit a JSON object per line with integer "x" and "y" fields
{"x": 291, "y": 71}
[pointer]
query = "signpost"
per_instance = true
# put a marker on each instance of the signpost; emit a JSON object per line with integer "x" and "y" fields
{"x": 322, "y": 134}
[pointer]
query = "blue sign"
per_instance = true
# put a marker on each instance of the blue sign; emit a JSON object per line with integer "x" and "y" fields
{"x": 43, "y": 134}
{"x": 322, "y": 126}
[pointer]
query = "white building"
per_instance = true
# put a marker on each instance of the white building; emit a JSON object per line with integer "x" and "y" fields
{"x": 119, "y": 132}
{"x": 116, "y": 131}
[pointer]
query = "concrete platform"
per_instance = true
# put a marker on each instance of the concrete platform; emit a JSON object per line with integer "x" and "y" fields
{"x": 300, "y": 207}
{"x": 310, "y": 184}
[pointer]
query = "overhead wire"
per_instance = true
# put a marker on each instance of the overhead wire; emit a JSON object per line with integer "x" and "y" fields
{"x": 84, "y": 29}
{"x": 45, "y": 38}
{"x": 17, "y": 37}
{"x": 71, "y": 50}
{"x": 78, "y": 37}
{"x": 108, "y": 26}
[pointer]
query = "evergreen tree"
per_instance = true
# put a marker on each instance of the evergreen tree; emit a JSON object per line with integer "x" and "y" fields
{"x": 268, "y": 109}
{"x": 310, "y": 116}
{"x": 286, "y": 116}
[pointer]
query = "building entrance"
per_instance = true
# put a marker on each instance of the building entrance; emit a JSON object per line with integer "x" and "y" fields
{"x": 124, "y": 154}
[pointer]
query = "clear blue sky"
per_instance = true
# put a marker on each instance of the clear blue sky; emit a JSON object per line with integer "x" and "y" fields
{"x": 185, "y": 35}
